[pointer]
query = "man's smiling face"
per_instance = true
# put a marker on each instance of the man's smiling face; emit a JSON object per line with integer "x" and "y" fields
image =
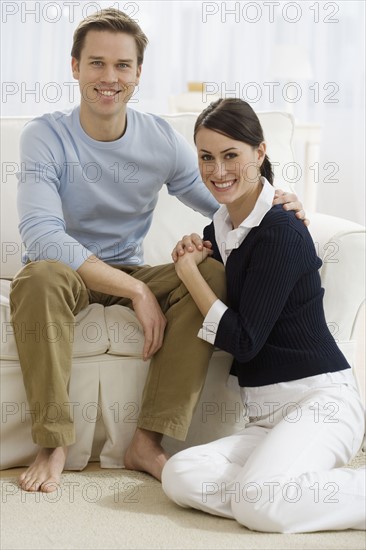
{"x": 107, "y": 72}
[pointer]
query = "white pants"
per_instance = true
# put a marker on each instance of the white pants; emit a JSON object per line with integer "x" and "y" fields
{"x": 283, "y": 472}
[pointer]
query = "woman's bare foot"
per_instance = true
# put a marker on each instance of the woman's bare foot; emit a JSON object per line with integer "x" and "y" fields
{"x": 145, "y": 453}
{"x": 45, "y": 473}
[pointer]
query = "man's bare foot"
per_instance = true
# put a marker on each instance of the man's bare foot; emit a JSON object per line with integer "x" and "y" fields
{"x": 145, "y": 453}
{"x": 45, "y": 472}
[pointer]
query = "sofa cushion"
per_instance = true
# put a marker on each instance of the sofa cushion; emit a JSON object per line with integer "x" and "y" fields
{"x": 125, "y": 332}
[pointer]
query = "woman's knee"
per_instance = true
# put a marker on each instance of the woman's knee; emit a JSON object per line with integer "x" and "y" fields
{"x": 173, "y": 479}
{"x": 180, "y": 478}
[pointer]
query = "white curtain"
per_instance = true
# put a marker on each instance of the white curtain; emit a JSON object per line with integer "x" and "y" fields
{"x": 226, "y": 44}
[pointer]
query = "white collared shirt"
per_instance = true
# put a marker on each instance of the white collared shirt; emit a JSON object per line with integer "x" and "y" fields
{"x": 228, "y": 239}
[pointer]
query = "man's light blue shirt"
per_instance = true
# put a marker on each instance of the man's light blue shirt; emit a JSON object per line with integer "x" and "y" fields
{"x": 78, "y": 196}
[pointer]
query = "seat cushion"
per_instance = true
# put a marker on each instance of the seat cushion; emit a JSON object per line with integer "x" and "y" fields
{"x": 125, "y": 332}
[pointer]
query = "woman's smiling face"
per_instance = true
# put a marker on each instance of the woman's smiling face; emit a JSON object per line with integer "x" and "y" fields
{"x": 229, "y": 168}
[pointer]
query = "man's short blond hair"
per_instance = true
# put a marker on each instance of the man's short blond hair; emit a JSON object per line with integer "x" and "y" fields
{"x": 111, "y": 20}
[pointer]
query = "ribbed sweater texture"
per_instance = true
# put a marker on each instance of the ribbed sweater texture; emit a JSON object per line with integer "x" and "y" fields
{"x": 275, "y": 325}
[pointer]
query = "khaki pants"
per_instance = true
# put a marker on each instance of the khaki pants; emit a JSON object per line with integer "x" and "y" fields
{"x": 44, "y": 293}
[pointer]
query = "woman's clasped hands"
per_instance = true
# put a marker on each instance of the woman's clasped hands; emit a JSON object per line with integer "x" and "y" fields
{"x": 190, "y": 250}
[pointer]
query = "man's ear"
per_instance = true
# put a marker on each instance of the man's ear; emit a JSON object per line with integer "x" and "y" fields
{"x": 75, "y": 68}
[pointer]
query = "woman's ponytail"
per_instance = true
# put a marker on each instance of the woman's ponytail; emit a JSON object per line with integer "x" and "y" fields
{"x": 267, "y": 170}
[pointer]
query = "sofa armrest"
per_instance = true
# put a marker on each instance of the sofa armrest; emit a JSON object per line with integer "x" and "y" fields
{"x": 340, "y": 244}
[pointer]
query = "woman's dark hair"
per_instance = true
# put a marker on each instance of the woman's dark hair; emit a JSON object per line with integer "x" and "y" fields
{"x": 236, "y": 119}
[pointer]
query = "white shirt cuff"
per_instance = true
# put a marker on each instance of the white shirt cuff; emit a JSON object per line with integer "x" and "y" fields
{"x": 211, "y": 322}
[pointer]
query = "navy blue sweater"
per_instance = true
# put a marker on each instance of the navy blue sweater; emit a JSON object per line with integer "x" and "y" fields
{"x": 275, "y": 325}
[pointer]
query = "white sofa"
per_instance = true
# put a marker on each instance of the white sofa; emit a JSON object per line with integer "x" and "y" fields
{"x": 108, "y": 373}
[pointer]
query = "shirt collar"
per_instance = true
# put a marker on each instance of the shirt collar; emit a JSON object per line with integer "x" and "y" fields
{"x": 228, "y": 238}
{"x": 262, "y": 206}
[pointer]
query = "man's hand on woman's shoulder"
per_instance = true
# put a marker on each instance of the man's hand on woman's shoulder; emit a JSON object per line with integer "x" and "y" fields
{"x": 290, "y": 201}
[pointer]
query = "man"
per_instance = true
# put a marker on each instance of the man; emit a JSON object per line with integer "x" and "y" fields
{"x": 91, "y": 223}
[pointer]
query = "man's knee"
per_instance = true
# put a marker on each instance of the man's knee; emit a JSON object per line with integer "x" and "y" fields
{"x": 43, "y": 270}
{"x": 214, "y": 274}
{"x": 35, "y": 277}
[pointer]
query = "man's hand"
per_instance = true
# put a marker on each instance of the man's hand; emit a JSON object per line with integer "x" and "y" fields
{"x": 291, "y": 202}
{"x": 152, "y": 319}
{"x": 101, "y": 277}
{"x": 189, "y": 243}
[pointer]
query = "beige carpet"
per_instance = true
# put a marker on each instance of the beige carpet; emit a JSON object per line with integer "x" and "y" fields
{"x": 119, "y": 509}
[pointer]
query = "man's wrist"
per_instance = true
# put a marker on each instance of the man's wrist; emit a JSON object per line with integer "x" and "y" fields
{"x": 137, "y": 289}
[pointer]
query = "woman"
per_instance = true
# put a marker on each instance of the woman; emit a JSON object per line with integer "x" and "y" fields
{"x": 284, "y": 472}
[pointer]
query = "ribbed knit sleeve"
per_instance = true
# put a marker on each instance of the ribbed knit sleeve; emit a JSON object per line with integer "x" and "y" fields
{"x": 209, "y": 235}
{"x": 277, "y": 261}
{"x": 275, "y": 326}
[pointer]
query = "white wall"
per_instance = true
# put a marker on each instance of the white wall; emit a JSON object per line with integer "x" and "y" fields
{"x": 228, "y": 44}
